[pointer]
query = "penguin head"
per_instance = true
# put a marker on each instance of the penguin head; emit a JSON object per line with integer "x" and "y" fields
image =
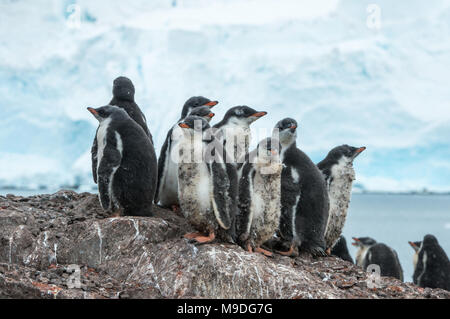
{"x": 287, "y": 131}
{"x": 430, "y": 240}
{"x": 194, "y": 102}
{"x": 362, "y": 242}
{"x": 268, "y": 150}
{"x": 194, "y": 123}
{"x": 203, "y": 112}
{"x": 344, "y": 152}
{"x": 242, "y": 115}
{"x": 415, "y": 245}
{"x": 104, "y": 112}
{"x": 123, "y": 89}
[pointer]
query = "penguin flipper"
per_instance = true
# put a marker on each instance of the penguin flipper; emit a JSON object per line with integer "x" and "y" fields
{"x": 162, "y": 163}
{"x": 110, "y": 162}
{"x": 222, "y": 202}
{"x": 245, "y": 201}
{"x": 94, "y": 150}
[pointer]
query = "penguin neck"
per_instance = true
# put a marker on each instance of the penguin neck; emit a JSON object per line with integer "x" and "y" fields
{"x": 285, "y": 145}
{"x": 342, "y": 174}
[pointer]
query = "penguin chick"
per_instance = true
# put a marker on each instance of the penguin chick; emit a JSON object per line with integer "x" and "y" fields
{"x": 203, "y": 112}
{"x": 126, "y": 163}
{"x": 304, "y": 195}
{"x": 370, "y": 252}
{"x": 339, "y": 174}
{"x": 340, "y": 250}
{"x": 259, "y": 196}
{"x": 234, "y": 131}
{"x": 167, "y": 187}
{"x": 433, "y": 267}
{"x": 207, "y": 196}
{"x": 123, "y": 97}
{"x": 416, "y": 246}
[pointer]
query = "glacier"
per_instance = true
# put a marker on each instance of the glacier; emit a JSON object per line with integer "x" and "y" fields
{"x": 319, "y": 62}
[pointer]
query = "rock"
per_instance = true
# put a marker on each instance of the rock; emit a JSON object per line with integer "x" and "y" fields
{"x": 64, "y": 246}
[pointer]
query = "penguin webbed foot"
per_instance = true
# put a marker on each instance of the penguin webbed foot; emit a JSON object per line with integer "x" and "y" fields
{"x": 290, "y": 253}
{"x": 264, "y": 252}
{"x": 201, "y": 240}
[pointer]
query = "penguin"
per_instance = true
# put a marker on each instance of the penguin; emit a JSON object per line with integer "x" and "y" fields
{"x": 234, "y": 131}
{"x": 416, "y": 246}
{"x": 339, "y": 174}
{"x": 208, "y": 198}
{"x": 340, "y": 250}
{"x": 260, "y": 197}
{"x": 123, "y": 97}
{"x": 167, "y": 186}
{"x": 125, "y": 164}
{"x": 433, "y": 267}
{"x": 370, "y": 252}
{"x": 304, "y": 195}
{"x": 203, "y": 112}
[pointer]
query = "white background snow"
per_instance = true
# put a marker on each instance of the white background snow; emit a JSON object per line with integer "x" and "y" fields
{"x": 317, "y": 61}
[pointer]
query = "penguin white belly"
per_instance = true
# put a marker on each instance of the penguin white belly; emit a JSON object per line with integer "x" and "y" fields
{"x": 361, "y": 256}
{"x": 265, "y": 205}
{"x": 339, "y": 192}
{"x": 101, "y": 140}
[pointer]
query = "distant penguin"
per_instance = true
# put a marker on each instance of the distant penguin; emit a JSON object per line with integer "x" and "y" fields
{"x": 304, "y": 195}
{"x": 433, "y": 266}
{"x": 370, "y": 252}
{"x": 203, "y": 112}
{"x": 125, "y": 163}
{"x": 208, "y": 198}
{"x": 260, "y": 197}
{"x": 234, "y": 131}
{"x": 123, "y": 97}
{"x": 340, "y": 250}
{"x": 416, "y": 246}
{"x": 167, "y": 188}
{"x": 339, "y": 174}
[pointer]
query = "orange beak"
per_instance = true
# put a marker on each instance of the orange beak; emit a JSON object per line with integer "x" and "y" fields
{"x": 212, "y": 103}
{"x": 274, "y": 152}
{"x": 259, "y": 114}
{"x": 293, "y": 126}
{"x": 211, "y": 115}
{"x": 361, "y": 149}
{"x": 183, "y": 125}
{"x": 92, "y": 110}
{"x": 356, "y": 240}
{"x": 412, "y": 244}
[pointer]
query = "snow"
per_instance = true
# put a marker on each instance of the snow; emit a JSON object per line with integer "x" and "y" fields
{"x": 317, "y": 61}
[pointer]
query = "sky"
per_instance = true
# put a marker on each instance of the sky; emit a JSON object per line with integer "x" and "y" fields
{"x": 364, "y": 73}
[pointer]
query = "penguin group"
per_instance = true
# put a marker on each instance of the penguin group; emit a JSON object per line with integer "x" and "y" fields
{"x": 272, "y": 199}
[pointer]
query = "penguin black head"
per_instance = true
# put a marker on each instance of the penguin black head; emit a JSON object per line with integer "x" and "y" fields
{"x": 123, "y": 89}
{"x": 242, "y": 115}
{"x": 287, "y": 130}
{"x": 194, "y": 123}
{"x": 363, "y": 241}
{"x": 203, "y": 112}
{"x": 194, "y": 102}
{"x": 430, "y": 240}
{"x": 415, "y": 245}
{"x": 344, "y": 152}
{"x": 104, "y": 112}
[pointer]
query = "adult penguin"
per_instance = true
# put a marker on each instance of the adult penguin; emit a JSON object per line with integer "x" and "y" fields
{"x": 167, "y": 186}
{"x": 433, "y": 266}
{"x": 123, "y": 97}
{"x": 125, "y": 163}
{"x": 304, "y": 195}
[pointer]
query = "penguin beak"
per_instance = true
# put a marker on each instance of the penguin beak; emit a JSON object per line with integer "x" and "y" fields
{"x": 274, "y": 152}
{"x": 212, "y": 103}
{"x": 93, "y": 111}
{"x": 412, "y": 244}
{"x": 293, "y": 128}
{"x": 357, "y": 241}
{"x": 360, "y": 150}
{"x": 258, "y": 114}
{"x": 211, "y": 115}
{"x": 183, "y": 125}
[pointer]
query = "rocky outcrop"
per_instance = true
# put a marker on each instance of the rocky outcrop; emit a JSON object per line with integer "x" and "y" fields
{"x": 64, "y": 246}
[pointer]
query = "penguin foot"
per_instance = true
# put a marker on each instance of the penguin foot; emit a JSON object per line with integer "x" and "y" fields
{"x": 289, "y": 253}
{"x": 249, "y": 248}
{"x": 200, "y": 240}
{"x": 191, "y": 235}
{"x": 264, "y": 252}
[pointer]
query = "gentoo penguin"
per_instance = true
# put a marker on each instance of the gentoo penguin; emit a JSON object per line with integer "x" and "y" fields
{"x": 433, "y": 267}
{"x": 234, "y": 131}
{"x": 208, "y": 197}
{"x": 167, "y": 187}
{"x": 123, "y": 97}
{"x": 339, "y": 174}
{"x": 370, "y": 252}
{"x": 259, "y": 197}
{"x": 304, "y": 195}
{"x": 416, "y": 246}
{"x": 340, "y": 250}
{"x": 204, "y": 112}
{"x": 125, "y": 163}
